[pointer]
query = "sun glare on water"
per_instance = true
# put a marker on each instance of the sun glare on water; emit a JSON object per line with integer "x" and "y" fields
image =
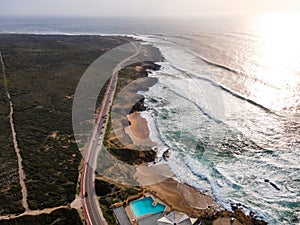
{"x": 279, "y": 57}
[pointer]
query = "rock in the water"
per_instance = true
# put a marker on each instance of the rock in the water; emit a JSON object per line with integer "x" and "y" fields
{"x": 234, "y": 206}
{"x": 166, "y": 155}
{"x": 274, "y": 185}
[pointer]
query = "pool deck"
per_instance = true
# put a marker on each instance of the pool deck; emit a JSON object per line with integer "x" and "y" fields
{"x": 130, "y": 215}
{"x": 156, "y": 200}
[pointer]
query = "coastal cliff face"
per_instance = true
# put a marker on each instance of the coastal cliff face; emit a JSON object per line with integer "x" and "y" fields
{"x": 139, "y": 106}
{"x": 122, "y": 141}
{"x": 241, "y": 217}
{"x": 118, "y": 142}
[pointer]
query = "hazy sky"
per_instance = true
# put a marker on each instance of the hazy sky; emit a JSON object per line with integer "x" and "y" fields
{"x": 143, "y": 7}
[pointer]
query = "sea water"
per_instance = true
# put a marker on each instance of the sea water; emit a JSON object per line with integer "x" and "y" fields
{"x": 227, "y": 103}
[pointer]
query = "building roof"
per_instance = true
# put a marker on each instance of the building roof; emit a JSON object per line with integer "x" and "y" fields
{"x": 150, "y": 220}
{"x": 175, "y": 217}
{"x": 121, "y": 215}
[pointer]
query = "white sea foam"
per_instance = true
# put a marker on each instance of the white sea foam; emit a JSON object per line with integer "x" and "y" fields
{"x": 154, "y": 135}
{"x": 228, "y": 178}
{"x": 257, "y": 144}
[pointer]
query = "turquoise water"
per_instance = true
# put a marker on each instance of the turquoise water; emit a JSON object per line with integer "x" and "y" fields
{"x": 144, "y": 206}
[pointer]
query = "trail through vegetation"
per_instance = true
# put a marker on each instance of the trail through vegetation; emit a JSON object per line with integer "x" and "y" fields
{"x": 14, "y": 135}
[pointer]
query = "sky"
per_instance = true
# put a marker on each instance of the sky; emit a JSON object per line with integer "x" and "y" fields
{"x": 138, "y": 8}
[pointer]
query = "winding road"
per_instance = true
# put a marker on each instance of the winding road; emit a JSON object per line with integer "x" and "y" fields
{"x": 90, "y": 203}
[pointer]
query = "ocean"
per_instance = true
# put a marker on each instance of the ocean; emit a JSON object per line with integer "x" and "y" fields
{"x": 226, "y": 104}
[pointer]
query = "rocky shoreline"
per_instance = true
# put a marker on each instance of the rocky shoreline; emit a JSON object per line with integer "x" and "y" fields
{"x": 188, "y": 199}
{"x": 118, "y": 140}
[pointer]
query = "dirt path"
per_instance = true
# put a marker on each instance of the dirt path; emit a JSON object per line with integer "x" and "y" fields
{"x": 17, "y": 150}
{"x": 22, "y": 176}
{"x": 33, "y": 212}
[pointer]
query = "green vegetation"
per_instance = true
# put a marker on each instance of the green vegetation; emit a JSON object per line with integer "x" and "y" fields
{"x": 125, "y": 150}
{"x": 122, "y": 153}
{"x": 57, "y": 217}
{"x": 10, "y": 189}
{"x": 126, "y": 76}
{"x": 110, "y": 193}
{"x": 107, "y": 213}
{"x": 42, "y": 75}
{"x": 133, "y": 72}
{"x": 133, "y": 157}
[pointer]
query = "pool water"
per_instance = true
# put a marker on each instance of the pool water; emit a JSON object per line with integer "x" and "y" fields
{"x": 144, "y": 206}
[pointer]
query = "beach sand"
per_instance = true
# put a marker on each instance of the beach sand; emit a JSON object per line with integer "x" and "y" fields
{"x": 161, "y": 181}
{"x": 226, "y": 221}
{"x": 158, "y": 178}
{"x": 138, "y": 130}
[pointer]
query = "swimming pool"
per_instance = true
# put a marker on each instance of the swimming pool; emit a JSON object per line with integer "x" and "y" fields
{"x": 145, "y": 206}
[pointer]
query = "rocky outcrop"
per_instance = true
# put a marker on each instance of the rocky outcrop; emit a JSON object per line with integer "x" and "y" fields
{"x": 139, "y": 106}
{"x": 242, "y": 217}
{"x": 166, "y": 155}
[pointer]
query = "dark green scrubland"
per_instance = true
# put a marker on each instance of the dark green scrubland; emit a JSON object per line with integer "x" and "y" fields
{"x": 43, "y": 72}
{"x": 57, "y": 217}
{"x": 10, "y": 189}
{"x": 111, "y": 193}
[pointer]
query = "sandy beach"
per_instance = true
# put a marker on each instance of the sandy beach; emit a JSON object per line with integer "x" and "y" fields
{"x": 138, "y": 126}
{"x": 161, "y": 181}
{"x": 138, "y": 130}
{"x": 158, "y": 179}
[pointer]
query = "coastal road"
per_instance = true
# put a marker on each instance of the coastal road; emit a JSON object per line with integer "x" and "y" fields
{"x": 90, "y": 203}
